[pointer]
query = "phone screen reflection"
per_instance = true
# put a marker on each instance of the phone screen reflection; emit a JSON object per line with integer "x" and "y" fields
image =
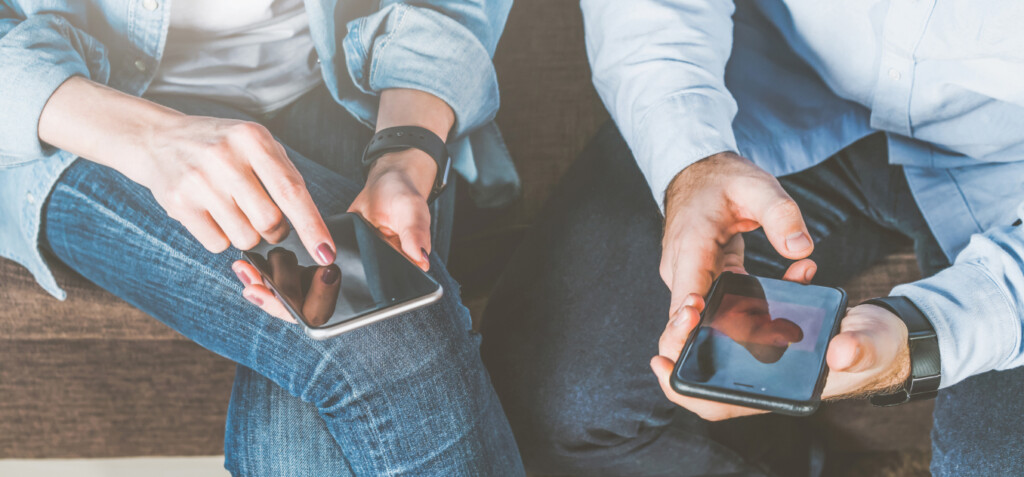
{"x": 367, "y": 275}
{"x": 759, "y": 339}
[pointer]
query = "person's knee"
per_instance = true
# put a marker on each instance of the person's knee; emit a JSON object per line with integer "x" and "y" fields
{"x": 563, "y": 427}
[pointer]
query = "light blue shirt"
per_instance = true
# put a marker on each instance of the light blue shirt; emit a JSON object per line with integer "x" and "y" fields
{"x": 788, "y": 83}
{"x": 443, "y": 47}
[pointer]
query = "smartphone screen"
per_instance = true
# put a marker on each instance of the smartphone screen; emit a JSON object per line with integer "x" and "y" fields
{"x": 367, "y": 275}
{"x": 763, "y": 336}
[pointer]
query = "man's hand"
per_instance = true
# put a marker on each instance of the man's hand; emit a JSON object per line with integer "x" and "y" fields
{"x": 868, "y": 356}
{"x": 707, "y": 206}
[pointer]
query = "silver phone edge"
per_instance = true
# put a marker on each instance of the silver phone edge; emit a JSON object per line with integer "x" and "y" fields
{"x": 374, "y": 317}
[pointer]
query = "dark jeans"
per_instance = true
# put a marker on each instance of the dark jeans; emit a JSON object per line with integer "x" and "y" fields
{"x": 405, "y": 396}
{"x": 570, "y": 330}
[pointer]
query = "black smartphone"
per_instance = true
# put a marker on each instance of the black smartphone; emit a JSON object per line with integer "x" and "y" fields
{"x": 369, "y": 281}
{"x": 761, "y": 343}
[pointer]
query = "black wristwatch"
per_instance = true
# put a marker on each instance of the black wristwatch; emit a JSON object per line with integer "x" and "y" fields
{"x": 925, "y": 365}
{"x": 411, "y": 137}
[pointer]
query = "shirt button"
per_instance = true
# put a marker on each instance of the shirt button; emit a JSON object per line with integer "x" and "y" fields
{"x": 30, "y": 198}
{"x": 150, "y": 4}
{"x": 140, "y": 65}
{"x": 894, "y": 74}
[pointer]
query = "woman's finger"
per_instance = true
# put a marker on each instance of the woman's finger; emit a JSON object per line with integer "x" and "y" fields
{"x": 202, "y": 226}
{"x": 246, "y": 273}
{"x": 262, "y": 297}
{"x": 263, "y": 214}
{"x": 234, "y": 223}
{"x": 288, "y": 190}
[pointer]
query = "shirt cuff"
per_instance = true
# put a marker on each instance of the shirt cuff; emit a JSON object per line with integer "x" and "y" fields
{"x": 977, "y": 328}
{"x": 39, "y": 55}
{"x": 679, "y": 131}
{"x": 403, "y": 46}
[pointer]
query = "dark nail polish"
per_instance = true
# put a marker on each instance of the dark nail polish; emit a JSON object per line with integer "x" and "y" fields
{"x": 324, "y": 254}
{"x": 426, "y": 256}
{"x": 330, "y": 275}
{"x": 255, "y": 300}
{"x": 242, "y": 277}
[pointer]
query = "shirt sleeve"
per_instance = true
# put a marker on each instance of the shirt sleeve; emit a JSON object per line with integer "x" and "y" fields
{"x": 976, "y": 305}
{"x": 659, "y": 67}
{"x": 37, "y": 54}
{"x": 443, "y": 47}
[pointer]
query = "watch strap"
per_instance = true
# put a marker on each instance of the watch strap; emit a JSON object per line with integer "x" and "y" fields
{"x": 401, "y": 138}
{"x": 925, "y": 363}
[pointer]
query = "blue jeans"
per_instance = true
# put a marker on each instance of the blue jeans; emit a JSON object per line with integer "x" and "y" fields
{"x": 575, "y": 319}
{"x": 405, "y": 396}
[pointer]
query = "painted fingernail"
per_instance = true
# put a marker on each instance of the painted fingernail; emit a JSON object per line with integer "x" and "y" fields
{"x": 242, "y": 277}
{"x": 689, "y": 301}
{"x": 426, "y": 256}
{"x": 255, "y": 300}
{"x": 680, "y": 319}
{"x": 798, "y": 242}
{"x": 325, "y": 254}
{"x": 330, "y": 275}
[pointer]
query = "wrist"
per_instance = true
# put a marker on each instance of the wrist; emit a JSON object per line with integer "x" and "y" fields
{"x": 103, "y": 125}
{"x": 411, "y": 165}
{"x": 701, "y": 172}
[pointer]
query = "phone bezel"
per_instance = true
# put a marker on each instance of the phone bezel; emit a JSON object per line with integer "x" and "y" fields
{"x": 756, "y": 400}
{"x": 367, "y": 317}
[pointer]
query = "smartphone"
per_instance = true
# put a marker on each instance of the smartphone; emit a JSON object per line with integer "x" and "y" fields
{"x": 761, "y": 343}
{"x": 370, "y": 280}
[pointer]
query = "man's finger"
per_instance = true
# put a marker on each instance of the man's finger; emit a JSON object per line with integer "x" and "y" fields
{"x": 801, "y": 271}
{"x": 781, "y": 219}
{"x": 851, "y": 352}
{"x": 708, "y": 410}
{"x": 732, "y": 255}
{"x": 677, "y": 331}
{"x": 697, "y": 261}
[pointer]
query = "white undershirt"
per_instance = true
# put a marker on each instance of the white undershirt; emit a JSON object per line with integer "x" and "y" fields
{"x": 256, "y": 55}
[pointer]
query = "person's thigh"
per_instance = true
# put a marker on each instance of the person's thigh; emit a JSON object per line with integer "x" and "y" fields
{"x": 273, "y": 433}
{"x": 320, "y": 129}
{"x": 570, "y": 329}
{"x": 377, "y": 388}
{"x": 979, "y": 426}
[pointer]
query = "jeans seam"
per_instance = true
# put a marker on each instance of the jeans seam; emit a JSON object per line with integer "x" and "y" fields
{"x": 134, "y": 228}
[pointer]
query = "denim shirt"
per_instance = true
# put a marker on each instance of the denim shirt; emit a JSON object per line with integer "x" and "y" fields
{"x": 443, "y": 47}
{"x": 788, "y": 83}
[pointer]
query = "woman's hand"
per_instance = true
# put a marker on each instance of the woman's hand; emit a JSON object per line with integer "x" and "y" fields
{"x": 394, "y": 199}
{"x": 227, "y": 181}
{"x": 230, "y": 183}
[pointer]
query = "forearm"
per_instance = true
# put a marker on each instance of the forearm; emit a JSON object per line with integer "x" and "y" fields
{"x": 975, "y": 305}
{"x": 659, "y": 67}
{"x": 101, "y": 124}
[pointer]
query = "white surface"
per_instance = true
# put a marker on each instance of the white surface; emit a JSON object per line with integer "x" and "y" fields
{"x": 127, "y": 467}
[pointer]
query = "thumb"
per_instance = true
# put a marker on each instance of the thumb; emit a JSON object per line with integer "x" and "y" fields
{"x": 415, "y": 242}
{"x": 851, "y": 352}
{"x": 781, "y": 219}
